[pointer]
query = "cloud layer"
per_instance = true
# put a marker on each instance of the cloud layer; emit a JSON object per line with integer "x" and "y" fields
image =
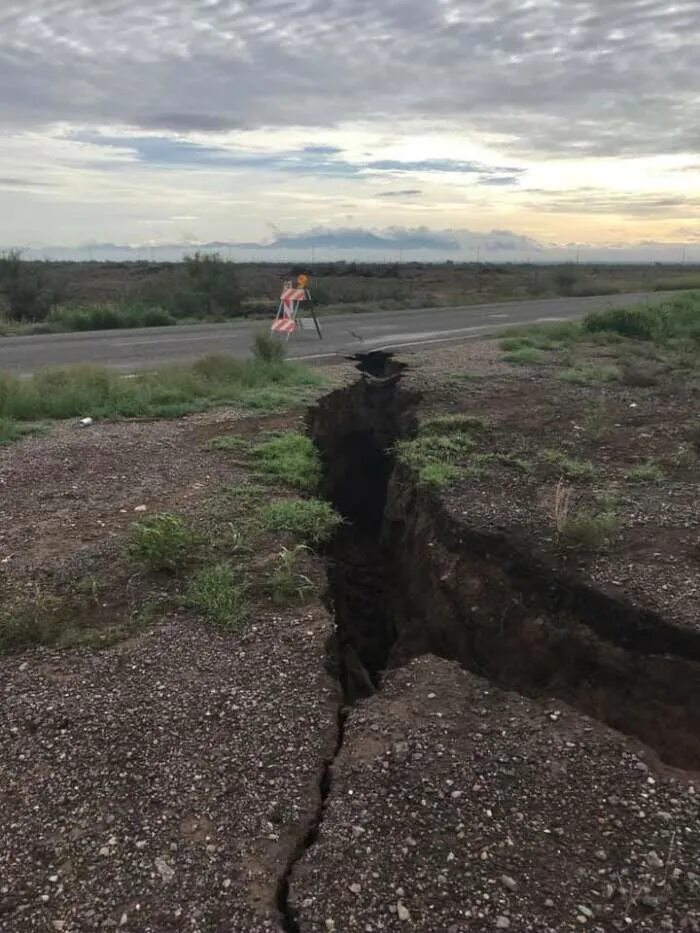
{"x": 554, "y": 76}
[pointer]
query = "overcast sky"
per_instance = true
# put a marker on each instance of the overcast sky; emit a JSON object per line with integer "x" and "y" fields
{"x": 441, "y": 126}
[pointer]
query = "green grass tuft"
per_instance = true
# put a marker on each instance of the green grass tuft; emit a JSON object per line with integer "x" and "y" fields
{"x": 162, "y": 541}
{"x": 588, "y": 375}
{"x": 11, "y": 431}
{"x": 310, "y": 520}
{"x": 227, "y": 442}
{"x": 290, "y": 458}
{"x": 452, "y": 424}
{"x": 218, "y": 595}
{"x": 287, "y": 582}
{"x": 589, "y": 529}
{"x": 645, "y": 473}
{"x": 525, "y": 356}
{"x": 568, "y": 466}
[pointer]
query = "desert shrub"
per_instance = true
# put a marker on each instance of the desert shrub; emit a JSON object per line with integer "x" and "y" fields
{"x": 564, "y": 279}
{"x": 27, "y": 293}
{"x": 267, "y": 347}
{"x": 210, "y": 286}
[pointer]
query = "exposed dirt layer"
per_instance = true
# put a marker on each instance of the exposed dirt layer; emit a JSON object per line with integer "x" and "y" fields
{"x": 163, "y": 784}
{"x": 457, "y": 807}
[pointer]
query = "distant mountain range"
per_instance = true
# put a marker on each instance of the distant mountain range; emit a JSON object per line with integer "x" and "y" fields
{"x": 391, "y": 244}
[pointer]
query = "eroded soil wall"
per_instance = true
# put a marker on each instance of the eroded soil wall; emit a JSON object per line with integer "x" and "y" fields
{"x": 406, "y": 578}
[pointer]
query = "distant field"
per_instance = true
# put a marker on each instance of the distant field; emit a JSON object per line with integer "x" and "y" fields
{"x": 69, "y": 296}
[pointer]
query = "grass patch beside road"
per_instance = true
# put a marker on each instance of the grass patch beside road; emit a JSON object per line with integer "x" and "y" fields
{"x": 99, "y": 392}
{"x": 674, "y": 325}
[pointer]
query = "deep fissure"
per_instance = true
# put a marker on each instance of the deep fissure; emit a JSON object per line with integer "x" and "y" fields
{"x": 405, "y": 579}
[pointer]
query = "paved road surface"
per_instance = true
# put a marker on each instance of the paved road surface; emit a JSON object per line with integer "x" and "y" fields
{"x": 129, "y": 350}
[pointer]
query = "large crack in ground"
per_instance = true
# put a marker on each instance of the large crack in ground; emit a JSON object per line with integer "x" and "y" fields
{"x": 405, "y": 580}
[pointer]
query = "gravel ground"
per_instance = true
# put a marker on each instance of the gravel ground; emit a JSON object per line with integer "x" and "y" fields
{"x": 164, "y": 784}
{"x": 74, "y": 489}
{"x": 457, "y": 807}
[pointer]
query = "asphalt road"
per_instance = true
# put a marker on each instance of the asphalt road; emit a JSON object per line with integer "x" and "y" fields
{"x": 130, "y": 350}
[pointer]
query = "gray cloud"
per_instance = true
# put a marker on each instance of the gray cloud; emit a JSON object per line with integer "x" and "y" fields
{"x": 403, "y": 193}
{"x": 595, "y": 201}
{"x": 21, "y": 184}
{"x": 556, "y": 76}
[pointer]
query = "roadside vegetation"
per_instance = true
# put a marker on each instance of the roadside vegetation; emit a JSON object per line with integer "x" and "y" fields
{"x": 45, "y": 297}
{"x": 633, "y": 347}
{"x": 99, "y": 392}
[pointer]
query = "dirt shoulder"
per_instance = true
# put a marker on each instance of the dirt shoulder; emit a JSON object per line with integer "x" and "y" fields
{"x": 458, "y": 807}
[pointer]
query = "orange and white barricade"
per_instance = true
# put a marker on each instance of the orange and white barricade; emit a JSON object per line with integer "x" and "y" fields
{"x": 286, "y": 320}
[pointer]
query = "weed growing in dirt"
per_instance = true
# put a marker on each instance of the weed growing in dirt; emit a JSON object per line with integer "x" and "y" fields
{"x": 170, "y": 392}
{"x": 289, "y": 458}
{"x": 162, "y": 541}
{"x": 435, "y": 458}
{"x": 28, "y": 621}
{"x": 11, "y": 431}
{"x": 479, "y": 464}
{"x": 598, "y": 420}
{"x": 589, "y": 529}
{"x": 437, "y": 455}
{"x": 452, "y": 424}
{"x": 245, "y": 495}
{"x": 525, "y": 356}
{"x": 227, "y": 442}
{"x": 217, "y": 594}
{"x": 287, "y": 582}
{"x": 590, "y": 375}
{"x": 638, "y": 375}
{"x": 568, "y": 466}
{"x": 461, "y": 377}
{"x": 645, "y": 473}
{"x": 312, "y": 521}
{"x": 510, "y": 344}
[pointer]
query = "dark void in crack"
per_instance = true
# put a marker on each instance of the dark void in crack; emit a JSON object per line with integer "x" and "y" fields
{"x": 355, "y": 430}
